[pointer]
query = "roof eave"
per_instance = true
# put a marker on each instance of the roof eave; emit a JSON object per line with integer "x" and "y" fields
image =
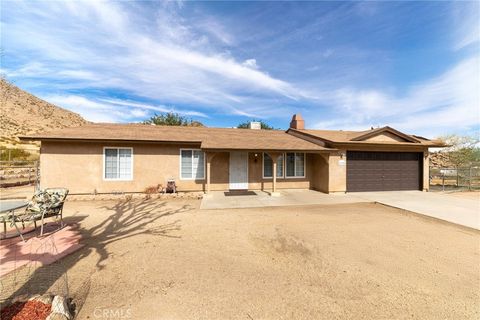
{"x": 26, "y": 138}
{"x": 373, "y": 144}
{"x": 306, "y": 150}
{"x": 310, "y": 135}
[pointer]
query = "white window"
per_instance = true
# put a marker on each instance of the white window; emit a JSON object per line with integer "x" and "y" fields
{"x": 295, "y": 165}
{"x": 117, "y": 163}
{"x": 268, "y": 166}
{"x": 192, "y": 164}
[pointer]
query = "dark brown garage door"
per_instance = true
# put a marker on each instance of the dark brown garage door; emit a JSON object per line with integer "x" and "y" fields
{"x": 383, "y": 171}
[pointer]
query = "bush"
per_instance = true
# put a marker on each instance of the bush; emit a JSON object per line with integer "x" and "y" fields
{"x": 14, "y": 154}
{"x": 153, "y": 189}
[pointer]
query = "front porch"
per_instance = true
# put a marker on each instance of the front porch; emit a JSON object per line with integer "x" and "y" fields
{"x": 254, "y": 170}
{"x": 286, "y": 197}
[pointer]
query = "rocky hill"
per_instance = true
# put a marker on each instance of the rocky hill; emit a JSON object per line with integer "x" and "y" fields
{"x": 440, "y": 160}
{"x": 22, "y": 113}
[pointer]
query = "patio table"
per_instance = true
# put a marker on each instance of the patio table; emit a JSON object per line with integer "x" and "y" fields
{"x": 7, "y": 214}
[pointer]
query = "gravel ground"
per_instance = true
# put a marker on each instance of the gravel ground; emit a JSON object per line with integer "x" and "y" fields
{"x": 168, "y": 260}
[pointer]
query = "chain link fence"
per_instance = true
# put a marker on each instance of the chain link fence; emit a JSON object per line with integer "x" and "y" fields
{"x": 454, "y": 179}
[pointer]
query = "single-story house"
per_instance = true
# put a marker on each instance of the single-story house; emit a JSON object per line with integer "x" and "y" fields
{"x": 107, "y": 158}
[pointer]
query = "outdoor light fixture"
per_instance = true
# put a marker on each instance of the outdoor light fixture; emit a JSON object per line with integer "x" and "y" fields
{"x": 256, "y": 156}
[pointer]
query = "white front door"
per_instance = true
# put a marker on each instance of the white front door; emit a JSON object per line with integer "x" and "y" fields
{"x": 238, "y": 170}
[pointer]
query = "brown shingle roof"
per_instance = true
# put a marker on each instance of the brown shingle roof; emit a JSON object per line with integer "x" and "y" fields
{"x": 208, "y": 138}
{"x": 350, "y": 137}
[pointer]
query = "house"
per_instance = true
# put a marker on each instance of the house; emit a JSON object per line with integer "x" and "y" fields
{"x": 106, "y": 158}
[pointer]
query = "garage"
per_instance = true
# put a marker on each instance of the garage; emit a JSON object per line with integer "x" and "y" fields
{"x": 383, "y": 171}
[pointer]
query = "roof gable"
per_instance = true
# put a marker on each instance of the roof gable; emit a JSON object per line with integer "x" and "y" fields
{"x": 385, "y": 134}
{"x": 381, "y": 136}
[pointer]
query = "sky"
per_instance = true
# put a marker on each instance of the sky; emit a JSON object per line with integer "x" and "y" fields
{"x": 414, "y": 66}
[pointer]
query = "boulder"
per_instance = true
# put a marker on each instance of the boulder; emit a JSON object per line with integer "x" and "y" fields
{"x": 60, "y": 305}
{"x": 56, "y": 316}
{"x": 20, "y": 298}
{"x": 44, "y": 298}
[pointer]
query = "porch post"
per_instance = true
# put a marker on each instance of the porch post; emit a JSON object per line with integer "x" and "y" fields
{"x": 274, "y": 176}
{"x": 208, "y": 175}
{"x": 209, "y": 156}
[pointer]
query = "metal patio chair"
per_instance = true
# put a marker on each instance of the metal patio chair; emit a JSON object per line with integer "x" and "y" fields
{"x": 45, "y": 204}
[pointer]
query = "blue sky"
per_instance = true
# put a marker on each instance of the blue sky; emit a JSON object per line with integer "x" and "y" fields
{"x": 342, "y": 65}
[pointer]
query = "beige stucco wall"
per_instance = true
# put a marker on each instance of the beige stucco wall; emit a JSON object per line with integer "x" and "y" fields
{"x": 78, "y": 166}
{"x": 320, "y": 179}
{"x": 337, "y": 172}
{"x": 426, "y": 170}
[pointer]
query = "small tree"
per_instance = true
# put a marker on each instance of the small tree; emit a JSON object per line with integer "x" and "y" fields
{"x": 462, "y": 150}
{"x": 172, "y": 119}
{"x": 263, "y": 125}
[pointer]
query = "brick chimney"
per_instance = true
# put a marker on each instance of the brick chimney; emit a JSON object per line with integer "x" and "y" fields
{"x": 297, "y": 122}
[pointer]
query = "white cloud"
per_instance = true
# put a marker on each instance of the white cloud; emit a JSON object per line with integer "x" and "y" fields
{"x": 91, "y": 110}
{"x": 157, "y": 55}
{"x": 217, "y": 30}
{"x": 251, "y": 63}
{"x": 77, "y": 74}
{"x": 139, "y": 113}
{"x": 112, "y": 110}
{"x": 161, "y": 108}
{"x": 447, "y": 103}
{"x": 466, "y": 16}
{"x": 111, "y": 46}
{"x": 28, "y": 69}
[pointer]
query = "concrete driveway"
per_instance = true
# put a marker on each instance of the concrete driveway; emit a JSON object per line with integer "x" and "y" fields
{"x": 287, "y": 197}
{"x": 458, "y": 210}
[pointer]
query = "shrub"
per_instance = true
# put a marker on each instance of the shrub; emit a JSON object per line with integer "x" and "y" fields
{"x": 153, "y": 189}
{"x": 14, "y": 154}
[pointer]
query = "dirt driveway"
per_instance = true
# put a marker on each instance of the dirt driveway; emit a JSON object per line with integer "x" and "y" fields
{"x": 168, "y": 260}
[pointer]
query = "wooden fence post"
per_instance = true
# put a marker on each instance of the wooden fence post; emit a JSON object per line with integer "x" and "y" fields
{"x": 458, "y": 185}
{"x": 443, "y": 180}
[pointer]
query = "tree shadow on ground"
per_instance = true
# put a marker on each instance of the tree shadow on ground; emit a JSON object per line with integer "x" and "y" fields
{"x": 127, "y": 219}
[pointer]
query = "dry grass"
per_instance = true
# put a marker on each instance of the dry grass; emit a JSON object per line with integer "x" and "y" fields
{"x": 169, "y": 260}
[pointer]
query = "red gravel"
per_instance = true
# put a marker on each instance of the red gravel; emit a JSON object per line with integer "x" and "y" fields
{"x": 30, "y": 310}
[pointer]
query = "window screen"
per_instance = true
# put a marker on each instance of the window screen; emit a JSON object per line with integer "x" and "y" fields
{"x": 118, "y": 163}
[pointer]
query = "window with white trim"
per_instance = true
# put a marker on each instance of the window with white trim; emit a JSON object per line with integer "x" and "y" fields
{"x": 118, "y": 164}
{"x": 192, "y": 164}
{"x": 295, "y": 165}
{"x": 268, "y": 166}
